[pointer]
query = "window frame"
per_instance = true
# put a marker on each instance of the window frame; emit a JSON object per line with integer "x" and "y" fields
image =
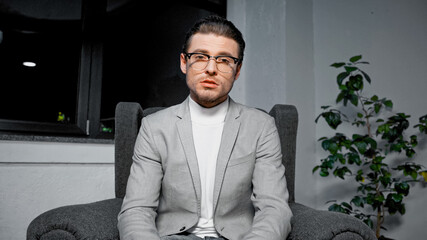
{"x": 89, "y": 87}
{"x": 89, "y": 84}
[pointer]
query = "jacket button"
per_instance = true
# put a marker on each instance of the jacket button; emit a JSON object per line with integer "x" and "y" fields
{"x": 182, "y": 229}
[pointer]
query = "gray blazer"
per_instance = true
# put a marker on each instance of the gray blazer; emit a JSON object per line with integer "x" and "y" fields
{"x": 163, "y": 191}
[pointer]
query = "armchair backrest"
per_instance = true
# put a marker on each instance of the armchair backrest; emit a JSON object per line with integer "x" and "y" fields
{"x": 128, "y": 121}
{"x": 286, "y": 117}
{"x": 128, "y": 117}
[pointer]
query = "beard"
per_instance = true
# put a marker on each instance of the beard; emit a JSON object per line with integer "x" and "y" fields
{"x": 208, "y": 97}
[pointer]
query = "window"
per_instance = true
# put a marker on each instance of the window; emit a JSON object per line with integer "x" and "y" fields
{"x": 64, "y": 73}
{"x": 39, "y": 59}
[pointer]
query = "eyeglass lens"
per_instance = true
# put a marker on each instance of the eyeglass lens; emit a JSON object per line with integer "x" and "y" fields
{"x": 200, "y": 62}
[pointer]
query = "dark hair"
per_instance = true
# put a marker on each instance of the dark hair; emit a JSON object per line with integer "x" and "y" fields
{"x": 219, "y": 26}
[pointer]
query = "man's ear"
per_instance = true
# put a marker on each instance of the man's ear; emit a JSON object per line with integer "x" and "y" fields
{"x": 236, "y": 76}
{"x": 183, "y": 61}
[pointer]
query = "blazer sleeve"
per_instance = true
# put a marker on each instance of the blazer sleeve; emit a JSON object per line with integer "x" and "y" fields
{"x": 136, "y": 219}
{"x": 272, "y": 218}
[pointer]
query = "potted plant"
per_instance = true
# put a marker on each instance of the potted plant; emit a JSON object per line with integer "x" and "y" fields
{"x": 366, "y": 155}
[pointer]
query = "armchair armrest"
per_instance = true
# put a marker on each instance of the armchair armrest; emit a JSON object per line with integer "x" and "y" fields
{"x": 311, "y": 224}
{"x": 96, "y": 220}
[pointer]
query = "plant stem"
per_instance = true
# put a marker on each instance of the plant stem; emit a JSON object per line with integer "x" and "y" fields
{"x": 368, "y": 124}
{"x": 377, "y": 185}
{"x": 379, "y": 216}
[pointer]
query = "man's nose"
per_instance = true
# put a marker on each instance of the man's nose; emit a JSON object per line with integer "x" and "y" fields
{"x": 211, "y": 68}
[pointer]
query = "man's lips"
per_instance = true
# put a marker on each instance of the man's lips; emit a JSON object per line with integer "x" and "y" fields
{"x": 209, "y": 83}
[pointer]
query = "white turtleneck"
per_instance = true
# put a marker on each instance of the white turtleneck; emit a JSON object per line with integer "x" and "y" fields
{"x": 208, "y": 124}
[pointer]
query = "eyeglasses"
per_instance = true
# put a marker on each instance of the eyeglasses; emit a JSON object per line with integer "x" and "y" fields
{"x": 199, "y": 61}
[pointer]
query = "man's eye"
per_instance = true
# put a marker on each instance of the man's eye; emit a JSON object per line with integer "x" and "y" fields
{"x": 226, "y": 60}
{"x": 199, "y": 57}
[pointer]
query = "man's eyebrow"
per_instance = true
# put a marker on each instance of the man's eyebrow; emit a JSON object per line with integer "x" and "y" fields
{"x": 200, "y": 51}
{"x": 224, "y": 53}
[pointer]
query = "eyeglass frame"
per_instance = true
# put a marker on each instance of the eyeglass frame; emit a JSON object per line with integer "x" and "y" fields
{"x": 236, "y": 60}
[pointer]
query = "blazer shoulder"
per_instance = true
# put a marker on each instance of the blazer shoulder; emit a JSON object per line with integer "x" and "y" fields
{"x": 255, "y": 114}
{"x": 162, "y": 116}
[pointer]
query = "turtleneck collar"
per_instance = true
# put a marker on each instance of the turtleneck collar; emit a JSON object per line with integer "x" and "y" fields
{"x": 206, "y": 116}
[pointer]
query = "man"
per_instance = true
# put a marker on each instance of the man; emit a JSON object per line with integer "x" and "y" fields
{"x": 208, "y": 168}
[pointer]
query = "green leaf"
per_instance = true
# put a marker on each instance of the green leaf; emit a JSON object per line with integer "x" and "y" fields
{"x": 375, "y": 167}
{"x": 315, "y": 169}
{"x": 354, "y": 99}
{"x": 402, "y": 209}
{"x": 371, "y": 142}
{"x": 341, "y": 77}
{"x": 346, "y": 205}
{"x": 409, "y": 169}
{"x": 353, "y": 158}
{"x": 397, "y": 197}
{"x": 355, "y": 58}
{"x": 358, "y": 201}
{"x": 357, "y": 137}
{"x": 340, "y": 172}
{"x": 422, "y": 126}
{"x": 388, "y": 103}
{"x": 324, "y": 172}
{"x": 379, "y": 198}
{"x": 325, "y": 107}
{"x": 368, "y": 102}
{"x": 414, "y": 141}
{"x": 317, "y": 119}
{"x": 333, "y": 148}
{"x": 396, "y": 147}
{"x": 326, "y": 144}
{"x": 332, "y": 118}
{"x": 385, "y": 181}
{"x": 359, "y": 176}
{"x": 402, "y": 188}
{"x": 342, "y": 208}
{"x": 361, "y": 147}
{"x": 350, "y": 69}
{"x": 367, "y": 78}
{"x": 336, "y": 208}
{"x": 356, "y": 82}
{"x": 338, "y": 65}
{"x": 340, "y": 97}
{"x": 369, "y": 222}
{"x": 394, "y": 205}
{"x": 410, "y": 153}
{"x": 377, "y": 107}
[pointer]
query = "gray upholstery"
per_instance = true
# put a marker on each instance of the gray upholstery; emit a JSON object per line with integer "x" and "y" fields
{"x": 96, "y": 220}
{"x": 127, "y": 122}
{"x": 286, "y": 117}
{"x": 99, "y": 220}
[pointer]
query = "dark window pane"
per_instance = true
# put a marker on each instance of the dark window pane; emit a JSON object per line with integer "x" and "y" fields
{"x": 40, "y": 45}
{"x": 39, "y": 75}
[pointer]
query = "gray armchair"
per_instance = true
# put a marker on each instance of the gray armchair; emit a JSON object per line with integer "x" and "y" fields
{"x": 98, "y": 220}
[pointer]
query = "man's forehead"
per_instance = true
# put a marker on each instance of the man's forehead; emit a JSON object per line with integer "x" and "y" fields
{"x": 213, "y": 42}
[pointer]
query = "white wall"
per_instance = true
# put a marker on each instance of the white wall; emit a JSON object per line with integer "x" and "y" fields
{"x": 263, "y": 64}
{"x": 38, "y": 176}
{"x": 390, "y": 34}
{"x": 278, "y": 68}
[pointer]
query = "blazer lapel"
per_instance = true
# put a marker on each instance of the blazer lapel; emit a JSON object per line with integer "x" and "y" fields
{"x": 229, "y": 136}
{"x": 185, "y": 132}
